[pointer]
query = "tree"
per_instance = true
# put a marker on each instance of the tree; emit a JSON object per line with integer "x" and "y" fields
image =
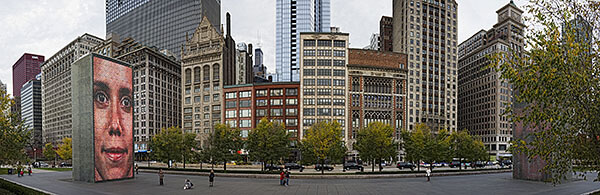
{"x": 323, "y": 141}
{"x": 65, "y": 149}
{"x": 414, "y": 144}
{"x": 223, "y": 145}
{"x": 463, "y": 146}
{"x": 173, "y": 144}
{"x": 375, "y": 143}
{"x": 49, "y": 152}
{"x": 14, "y": 136}
{"x": 268, "y": 142}
{"x": 425, "y": 145}
{"x": 556, "y": 84}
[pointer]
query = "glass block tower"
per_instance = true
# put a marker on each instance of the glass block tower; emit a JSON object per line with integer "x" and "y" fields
{"x": 160, "y": 23}
{"x": 294, "y": 17}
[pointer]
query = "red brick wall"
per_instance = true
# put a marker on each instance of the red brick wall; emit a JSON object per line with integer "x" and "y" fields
{"x": 377, "y": 58}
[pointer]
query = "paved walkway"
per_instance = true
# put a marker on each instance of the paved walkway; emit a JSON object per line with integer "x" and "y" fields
{"x": 147, "y": 183}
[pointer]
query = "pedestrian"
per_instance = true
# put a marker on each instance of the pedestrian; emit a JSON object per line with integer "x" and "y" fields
{"x": 281, "y": 177}
{"x": 161, "y": 176}
{"x": 211, "y": 177}
{"x": 188, "y": 184}
{"x": 287, "y": 177}
{"x": 29, "y": 170}
{"x": 19, "y": 171}
{"x": 428, "y": 173}
{"x": 136, "y": 169}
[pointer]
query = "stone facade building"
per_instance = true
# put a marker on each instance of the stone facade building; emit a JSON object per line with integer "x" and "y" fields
{"x": 427, "y": 32}
{"x": 323, "y": 75}
{"x": 377, "y": 90}
{"x": 385, "y": 33}
{"x": 56, "y": 87}
{"x": 484, "y": 97}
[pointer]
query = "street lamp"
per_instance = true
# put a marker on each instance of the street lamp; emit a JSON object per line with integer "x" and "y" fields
{"x": 34, "y": 155}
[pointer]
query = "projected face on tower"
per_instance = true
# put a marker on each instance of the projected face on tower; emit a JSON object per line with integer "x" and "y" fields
{"x": 113, "y": 120}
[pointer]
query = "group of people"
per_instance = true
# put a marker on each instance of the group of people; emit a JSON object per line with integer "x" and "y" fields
{"x": 21, "y": 171}
{"x": 188, "y": 184}
{"x": 284, "y": 178}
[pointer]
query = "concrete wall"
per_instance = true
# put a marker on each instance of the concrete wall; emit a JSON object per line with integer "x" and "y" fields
{"x": 83, "y": 119}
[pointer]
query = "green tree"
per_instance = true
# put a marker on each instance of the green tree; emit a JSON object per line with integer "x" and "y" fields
{"x": 65, "y": 149}
{"x": 268, "y": 142}
{"x": 556, "y": 84}
{"x": 465, "y": 147}
{"x": 376, "y": 143}
{"x": 223, "y": 145}
{"x": 14, "y": 136}
{"x": 49, "y": 152}
{"x": 323, "y": 141}
{"x": 414, "y": 144}
{"x": 172, "y": 144}
{"x": 425, "y": 145}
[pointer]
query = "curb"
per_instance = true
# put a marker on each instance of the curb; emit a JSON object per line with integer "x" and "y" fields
{"x": 27, "y": 186}
{"x": 365, "y": 176}
{"x": 589, "y": 193}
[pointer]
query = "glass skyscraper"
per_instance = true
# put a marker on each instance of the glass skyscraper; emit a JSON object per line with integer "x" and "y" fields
{"x": 163, "y": 24}
{"x": 294, "y": 17}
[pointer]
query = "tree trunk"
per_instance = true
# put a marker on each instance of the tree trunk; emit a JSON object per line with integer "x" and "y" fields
{"x": 322, "y": 167}
{"x": 460, "y": 164}
{"x": 262, "y": 166}
{"x": 419, "y": 165}
{"x": 224, "y": 165}
{"x": 373, "y": 165}
{"x": 184, "y": 161}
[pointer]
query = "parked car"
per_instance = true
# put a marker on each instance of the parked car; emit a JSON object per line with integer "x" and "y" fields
{"x": 406, "y": 165}
{"x": 478, "y": 164}
{"x": 352, "y": 165}
{"x": 294, "y": 166}
{"x": 454, "y": 164}
{"x": 271, "y": 167}
{"x": 318, "y": 167}
{"x": 64, "y": 164}
{"x": 506, "y": 163}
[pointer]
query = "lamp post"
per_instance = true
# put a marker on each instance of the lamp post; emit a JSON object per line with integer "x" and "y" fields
{"x": 34, "y": 155}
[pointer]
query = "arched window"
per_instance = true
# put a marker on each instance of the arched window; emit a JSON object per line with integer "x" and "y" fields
{"x": 206, "y": 70}
{"x": 196, "y": 74}
{"x": 215, "y": 71}
{"x": 188, "y": 76}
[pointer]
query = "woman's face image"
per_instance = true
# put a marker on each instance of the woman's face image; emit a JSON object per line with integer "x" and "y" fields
{"x": 113, "y": 118}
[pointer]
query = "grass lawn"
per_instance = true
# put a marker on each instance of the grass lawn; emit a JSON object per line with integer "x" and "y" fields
{"x": 3, "y": 171}
{"x": 57, "y": 169}
{"x": 12, "y": 188}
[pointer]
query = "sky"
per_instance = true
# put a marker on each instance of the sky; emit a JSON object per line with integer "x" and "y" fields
{"x": 45, "y": 26}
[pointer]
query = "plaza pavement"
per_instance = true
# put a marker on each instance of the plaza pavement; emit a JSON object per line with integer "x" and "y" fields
{"x": 147, "y": 183}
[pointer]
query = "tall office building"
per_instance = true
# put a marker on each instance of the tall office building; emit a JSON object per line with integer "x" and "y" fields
{"x": 160, "y": 23}
{"x": 294, "y": 17}
{"x": 25, "y": 69}
{"x": 386, "y": 27}
{"x": 259, "y": 69}
{"x": 56, "y": 87}
{"x": 483, "y": 96}
{"x": 323, "y": 79}
{"x": 243, "y": 61}
{"x": 427, "y": 32}
{"x": 31, "y": 110}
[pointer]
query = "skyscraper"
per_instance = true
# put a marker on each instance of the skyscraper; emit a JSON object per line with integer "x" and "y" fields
{"x": 427, "y": 32}
{"x": 24, "y": 70}
{"x": 483, "y": 96}
{"x": 385, "y": 33}
{"x": 31, "y": 110}
{"x": 294, "y": 17}
{"x": 160, "y": 23}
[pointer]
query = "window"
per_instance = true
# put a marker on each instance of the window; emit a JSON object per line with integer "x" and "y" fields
{"x": 309, "y": 91}
{"x": 216, "y": 97}
{"x": 324, "y": 112}
{"x": 245, "y": 123}
{"x": 230, "y": 104}
{"x": 276, "y": 112}
{"x": 276, "y": 92}
{"x": 230, "y": 95}
{"x": 188, "y": 100}
{"x": 322, "y": 62}
{"x": 196, "y": 74}
{"x": 309, "y": 43}
{"x": 291, "y": 122}
{"x": 244, "y": 103}
{"x": 188, "y": 76}
{"x": 276, "y": 102}
{"x": 309, "y": 82}
{"x": 338, "y": 112}
{"x": 261, "y": 112}
{"x": 309, "y": 101}
{"x": 339, "y": 73}
{"x": 206, "y": 70}
{"x": 187, "y": 110}
{"x": 339, "y": 53}
{"x": 309, "y": 62}
{"x": 245, "y": 113}
{"x": 261, "y": 93}
{"x": 261, "y": 102}
{"x": 309, "y": 52}
{"x": 232, "y": 123}
{"x": 206, "y": 116}
{"x": 323, "y": 91}
{"x": 339, "y": 62}
{"x": 216, "y": 71}
{"x": 309, "y": 72}
{"x": 339, "y": 102}
{"x": 231, "y": 114}
{"x": 324, "y": 82}
{"x": 308, "y": 122}
{"x": 324, "y": 43}
{"x": 291, "y": 92}
{"x": 291, "y": 102}
{"x": 323, "y": 101}
{"x": 187, "y": 91}
{"x": 309, "y": 112}
{"x": 244, "y": 94}
{"x": 323, "y": 72}
{"x": 339, "y": 43}
{"x": 216, "y": 108}
{"x": 339, "y": 82}
{"x": 322, "y": 52}
{"x": 206, "y": 98}
{"x": 339, "y": 92}
{"x": 291, "y": 112}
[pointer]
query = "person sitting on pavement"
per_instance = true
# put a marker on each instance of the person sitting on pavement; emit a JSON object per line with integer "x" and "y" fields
{"x": 188, "y": 184}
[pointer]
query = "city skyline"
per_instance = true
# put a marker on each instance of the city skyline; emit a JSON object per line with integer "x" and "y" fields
{"x": 249, "y": 26}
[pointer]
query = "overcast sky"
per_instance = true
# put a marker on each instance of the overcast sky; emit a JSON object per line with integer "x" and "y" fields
{"x": 45, "y": 26}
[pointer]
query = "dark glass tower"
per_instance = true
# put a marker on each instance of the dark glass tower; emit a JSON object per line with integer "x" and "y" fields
{"x": 163, "y": 24}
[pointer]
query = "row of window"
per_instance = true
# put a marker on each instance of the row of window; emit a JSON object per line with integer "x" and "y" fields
{"x": 324, "y": 43}
{"x": 323, "y": 62}
{"x": 261, "y": 112}
{"x": 336, "y": 92}
{"x": 324, "y": 82}
{"x": 320, "y": 52}
{"x": 323, "y": 72}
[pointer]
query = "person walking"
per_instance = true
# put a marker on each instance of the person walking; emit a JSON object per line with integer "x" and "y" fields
{"x": 211, "y": 177}
{"x": 136, "y": 169}
{"x": 161, "y": 176}
{"x": 29, "y": 170}
{"x": 281, "y": 177}
{"x": 287, "y": 177}
{"x": 428, "y": 173}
